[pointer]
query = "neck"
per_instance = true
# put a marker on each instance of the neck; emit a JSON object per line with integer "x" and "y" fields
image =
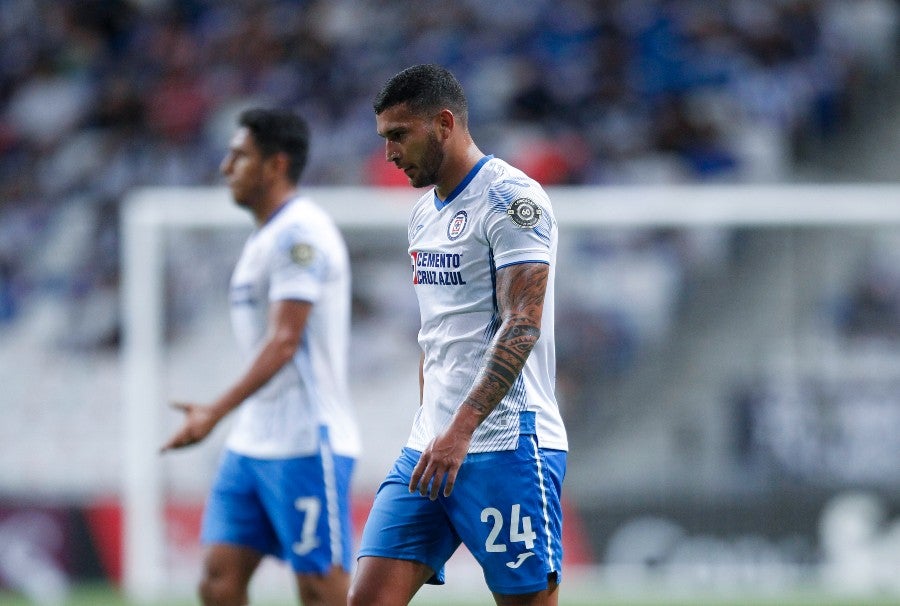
{"x": 457, "y": 168}
{"x": 274, "y": 201}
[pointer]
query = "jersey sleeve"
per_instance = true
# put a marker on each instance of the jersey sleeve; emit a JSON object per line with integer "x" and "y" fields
{"x": 519, "y": 223}
{"x": 298, "y": 266}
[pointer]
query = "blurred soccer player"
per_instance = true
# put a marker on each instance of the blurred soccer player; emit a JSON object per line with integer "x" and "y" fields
{"x": 485, "y": 460}
{"x": 283, "y": 486}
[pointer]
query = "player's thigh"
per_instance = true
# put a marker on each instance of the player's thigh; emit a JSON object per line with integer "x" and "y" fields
{"x": 234, "y": 513}
{"x": 386, "y": 581}
{"x": 227, "y": 570}
{"x": 546, "y": 597}
{"x": 506, "y": 508}
{"x": 407, "y": 526}
{"x": 329, "y": 588}
{"x": 308, "y": 503}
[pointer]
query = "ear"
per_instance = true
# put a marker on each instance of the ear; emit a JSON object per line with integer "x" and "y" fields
{"x": 446, "y": 122}
{"x": 278, "y": 163}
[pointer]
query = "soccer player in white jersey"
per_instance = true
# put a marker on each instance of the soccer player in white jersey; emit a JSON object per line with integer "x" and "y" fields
{"x": 283, "y": 485}
{"x": 485, "y": 460}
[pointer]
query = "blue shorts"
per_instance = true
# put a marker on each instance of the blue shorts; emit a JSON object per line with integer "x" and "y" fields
{"x": 297, "y": 509}
{"x": 505, "y": 508}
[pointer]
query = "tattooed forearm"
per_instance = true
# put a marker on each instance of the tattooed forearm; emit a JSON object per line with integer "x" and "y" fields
{"x": 521, "y": 298}
{"x": 511, "y": 349}
{"x": 505, "y": 362}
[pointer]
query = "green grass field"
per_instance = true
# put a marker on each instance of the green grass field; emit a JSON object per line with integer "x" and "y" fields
{"x": 101, "y": 595}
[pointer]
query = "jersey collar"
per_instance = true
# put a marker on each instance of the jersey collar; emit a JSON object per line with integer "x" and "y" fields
{"x": 438, "y": 204}
{"x": 280, "y": 208}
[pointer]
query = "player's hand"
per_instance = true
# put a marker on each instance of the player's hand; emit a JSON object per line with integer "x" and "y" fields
{"x": 199, "y": 421}
{"x": 440, "y": 461}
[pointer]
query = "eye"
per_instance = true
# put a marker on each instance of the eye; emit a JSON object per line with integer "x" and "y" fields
{"x": 396, "y": 136}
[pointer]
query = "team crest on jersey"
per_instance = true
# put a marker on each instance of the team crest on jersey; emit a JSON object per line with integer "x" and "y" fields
{"x": 457, "y": 225}
{"x": 524, "y": 212}
{"x": 302, "y": 254}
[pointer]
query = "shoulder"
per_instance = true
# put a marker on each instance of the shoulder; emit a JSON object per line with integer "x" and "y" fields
{"x": 303, "y": 215}
{"x": 509, "y": 190}
{"x": 504, "y": 179}
{"x": 423, "y": 204}
{"x": 303, "y": 221}
{"x": 306, "y": 211}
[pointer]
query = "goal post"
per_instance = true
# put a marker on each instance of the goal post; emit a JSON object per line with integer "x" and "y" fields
{"x": 148, "y": 213}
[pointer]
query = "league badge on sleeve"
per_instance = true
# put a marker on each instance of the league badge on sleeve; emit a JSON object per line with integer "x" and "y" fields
{"x": 524, "y": 212}
{"x": 302, "y": 254}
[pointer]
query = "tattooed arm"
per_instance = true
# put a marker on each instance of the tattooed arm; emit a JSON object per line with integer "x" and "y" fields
{"x": 520, "y": 297}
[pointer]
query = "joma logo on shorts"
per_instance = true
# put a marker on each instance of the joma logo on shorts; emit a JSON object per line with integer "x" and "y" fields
{"x": 522, "y": 558}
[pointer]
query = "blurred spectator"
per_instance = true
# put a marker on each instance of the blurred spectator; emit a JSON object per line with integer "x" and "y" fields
{"x": 8, "y": 299}
{"x": 870, "y": 311}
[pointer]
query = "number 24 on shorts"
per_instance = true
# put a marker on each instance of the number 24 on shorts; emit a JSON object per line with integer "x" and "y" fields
{"x": 519, "y": 532}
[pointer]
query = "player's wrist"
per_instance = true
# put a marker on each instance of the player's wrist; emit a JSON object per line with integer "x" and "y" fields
{"x": 218, "y": 410}
{"x": 467, "y": 419}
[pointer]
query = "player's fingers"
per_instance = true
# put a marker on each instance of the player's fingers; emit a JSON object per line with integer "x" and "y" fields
{"x": 416, "y": 476}
{"x": 182, "y": 406}
{"x": 451, "y": 481}
{"x": 427, "y": 479}
{"x": 425, "y": 482}
{"x": 170, "y": 445}
{"x": 436, "y": 481}
{"x": 180, "y": 440}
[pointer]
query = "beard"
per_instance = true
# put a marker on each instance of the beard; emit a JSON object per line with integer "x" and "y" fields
{"x": 247, "y": 197}
{"x": 430, "y": 165}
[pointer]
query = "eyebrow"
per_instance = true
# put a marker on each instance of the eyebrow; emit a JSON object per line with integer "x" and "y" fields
{"x": 393, "y": 131}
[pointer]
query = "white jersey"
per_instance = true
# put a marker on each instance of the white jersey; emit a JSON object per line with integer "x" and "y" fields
{"x": 299, "y": 254}
{"x": 495, "y": 218}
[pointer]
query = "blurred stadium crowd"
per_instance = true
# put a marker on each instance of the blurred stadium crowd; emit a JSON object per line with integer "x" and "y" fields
{"x": 100, "y": 96}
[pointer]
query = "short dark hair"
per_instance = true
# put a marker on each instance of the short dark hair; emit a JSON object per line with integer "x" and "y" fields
{"x": 279, "y": 130}
{"x": 426, "y": 89}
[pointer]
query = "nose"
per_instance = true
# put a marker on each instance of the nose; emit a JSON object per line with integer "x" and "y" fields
{"x": 391, "y": 153}
{"x": 225, "y": 165}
